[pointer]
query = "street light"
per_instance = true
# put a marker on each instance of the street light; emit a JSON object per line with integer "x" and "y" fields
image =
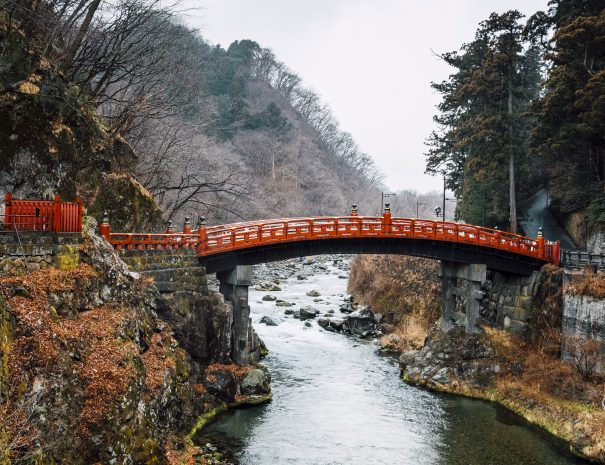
{"x": 384, "y": 196}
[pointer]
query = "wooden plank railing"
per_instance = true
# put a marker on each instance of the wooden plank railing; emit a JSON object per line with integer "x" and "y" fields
{"x": 42, "y": 215}
{"x": 224, "y": 238}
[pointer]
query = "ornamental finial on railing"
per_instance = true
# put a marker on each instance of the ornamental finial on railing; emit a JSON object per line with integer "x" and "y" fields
{"x": 354, "y": 210}
{"x": 187, "y": 225}
{"x": 169, "y": 228}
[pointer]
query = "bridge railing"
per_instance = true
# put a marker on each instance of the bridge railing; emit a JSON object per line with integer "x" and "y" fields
{"x": 216, "y": 239}
{"x": 42, "y": 215}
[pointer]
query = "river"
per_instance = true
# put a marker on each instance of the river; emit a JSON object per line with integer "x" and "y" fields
{"x": 336, "y": 401}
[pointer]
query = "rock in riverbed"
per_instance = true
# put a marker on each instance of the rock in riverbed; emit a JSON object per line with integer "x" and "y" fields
{"x": 361, "y": 321}
{"x": 269, "y": 298}
{"x": 268, "y": 287}
{"x": 256, "y": 382}
{"x": 307, "y": 313}
{"x": 313, "y": 293}
{"x": 270, "y": 321}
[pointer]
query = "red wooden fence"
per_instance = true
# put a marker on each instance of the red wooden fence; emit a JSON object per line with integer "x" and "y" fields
{"x": 42, "y": 215}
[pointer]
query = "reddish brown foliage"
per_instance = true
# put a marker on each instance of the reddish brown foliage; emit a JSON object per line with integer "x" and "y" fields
{"x": 89, "y": 344}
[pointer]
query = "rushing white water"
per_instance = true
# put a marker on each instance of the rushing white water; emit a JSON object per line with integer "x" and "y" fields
{"x": 335, "y": 401}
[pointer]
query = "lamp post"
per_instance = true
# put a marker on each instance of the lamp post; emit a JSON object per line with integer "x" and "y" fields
{"x": 384, "y": 196}
{"x": 438, "y": 211}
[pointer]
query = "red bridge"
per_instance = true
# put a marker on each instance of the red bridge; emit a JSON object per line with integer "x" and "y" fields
{"x": 226, "y": 246}
{"x": 223, "y": 247}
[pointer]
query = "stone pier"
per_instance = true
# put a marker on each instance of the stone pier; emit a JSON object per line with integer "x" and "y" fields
{"x": 234, "y": 285}
{"x": 462, "y": 295}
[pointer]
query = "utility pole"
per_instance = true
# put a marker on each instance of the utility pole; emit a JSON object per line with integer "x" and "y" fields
{"x": 382, "y": 197}
{"x": 444, "y": 196}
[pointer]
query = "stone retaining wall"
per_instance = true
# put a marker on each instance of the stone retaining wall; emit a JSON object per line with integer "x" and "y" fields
{"x": 172, "y": 270}
{"x": 28, "y": 252}
{"x": 583, "y": 328}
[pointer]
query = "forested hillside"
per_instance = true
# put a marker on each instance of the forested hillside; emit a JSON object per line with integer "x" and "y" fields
{"x": 523, "y": 110}
{"x": 120, "y": 103}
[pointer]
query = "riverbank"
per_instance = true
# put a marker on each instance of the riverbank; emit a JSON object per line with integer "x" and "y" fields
{"x": 526, "y": 377}
{"x": 499, "y": 368}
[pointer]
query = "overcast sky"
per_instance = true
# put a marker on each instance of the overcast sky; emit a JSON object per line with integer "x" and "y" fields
{"x": 372, "y": 61}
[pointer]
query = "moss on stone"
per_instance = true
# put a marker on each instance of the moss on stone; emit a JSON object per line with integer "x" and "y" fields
{"x": 204, "y": 419}
{"x": 67, "y": 257}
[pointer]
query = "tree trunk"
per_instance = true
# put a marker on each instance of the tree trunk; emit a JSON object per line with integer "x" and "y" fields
{"x": 511, "y": 162}
{"x": 75, "y": 46}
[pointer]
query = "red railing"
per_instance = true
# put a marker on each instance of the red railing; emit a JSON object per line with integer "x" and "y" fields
{"x": 224, "y": 238}
{"x": 42, "y": 215}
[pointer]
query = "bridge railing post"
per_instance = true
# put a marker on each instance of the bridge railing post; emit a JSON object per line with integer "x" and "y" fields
{"x": 541, "y": 245}
{"x": 104, "y": 227}
{"x": 56, "y": 222}
{"x": 387, "y": 220}
{"x": 202, "y": 240}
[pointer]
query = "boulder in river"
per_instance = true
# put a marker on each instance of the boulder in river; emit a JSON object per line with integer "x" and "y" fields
{"x": 337, "y": 324}
{"x": 307, "y": 313}
{"x": 256, "y": 382}
{"x": 323, "y": 322}
{"x": 221, "y": 382}
{"x": 283, "y": 303}
{"x": 270, "y": 321}
{"x": 313, "y": 293}
{"x": 347, "y": 307}
{"x": 407, "y": 358}
{"x": 361, "y": 321}
{"x": 269, "y": 298}
{"x": 268, "y": 287}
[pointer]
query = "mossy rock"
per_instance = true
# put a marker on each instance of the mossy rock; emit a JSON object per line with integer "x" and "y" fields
{"x": 67, "y": 257}
{"x": 130, "y": 206}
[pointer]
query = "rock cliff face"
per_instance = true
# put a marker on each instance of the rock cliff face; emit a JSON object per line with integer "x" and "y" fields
{"x": 53, "y": 142}
{"x": 97, "y": 365}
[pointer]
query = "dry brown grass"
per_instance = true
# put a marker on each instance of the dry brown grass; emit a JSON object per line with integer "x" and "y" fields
{"x": 409, "y": 287}
{"x": 400, "y": 284}
{"x": 409, "y": 334}
{"x": 548, "y": 388}
{"x": 589, "y": 283}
